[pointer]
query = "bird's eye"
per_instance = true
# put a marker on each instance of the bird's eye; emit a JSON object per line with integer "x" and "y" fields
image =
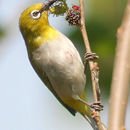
{"x": 35, "y": 14}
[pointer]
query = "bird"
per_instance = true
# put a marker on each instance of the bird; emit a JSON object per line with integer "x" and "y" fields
{"x": 55, "y": 60}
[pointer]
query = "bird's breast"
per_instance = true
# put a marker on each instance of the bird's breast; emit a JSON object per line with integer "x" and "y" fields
{"x": 61, "y": 62}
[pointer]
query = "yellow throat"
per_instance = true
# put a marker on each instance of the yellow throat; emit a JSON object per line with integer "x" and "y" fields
{"x": 36, "y": 29}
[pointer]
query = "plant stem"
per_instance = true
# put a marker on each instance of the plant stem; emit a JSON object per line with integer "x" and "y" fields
{"x": 91, "y": 63}
{"x": 87, "y": 45}
{"x": 121, "y": 76}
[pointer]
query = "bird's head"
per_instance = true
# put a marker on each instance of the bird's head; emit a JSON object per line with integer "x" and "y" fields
{"x": 33, "y": 20}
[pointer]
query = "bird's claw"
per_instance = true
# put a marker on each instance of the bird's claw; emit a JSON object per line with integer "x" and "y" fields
{"x": 97, "y": 106}
{"x": 90, "y": 56}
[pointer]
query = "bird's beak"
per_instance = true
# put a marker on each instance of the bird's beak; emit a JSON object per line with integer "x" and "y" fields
{"x": 44, "y": 8}
{"x": 47, "y": 6}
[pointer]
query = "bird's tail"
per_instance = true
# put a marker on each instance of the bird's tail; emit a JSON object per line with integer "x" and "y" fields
{"x": 93, "y": 123}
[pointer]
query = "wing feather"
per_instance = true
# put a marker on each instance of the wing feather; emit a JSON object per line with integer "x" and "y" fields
{"x": 46, "y": 81}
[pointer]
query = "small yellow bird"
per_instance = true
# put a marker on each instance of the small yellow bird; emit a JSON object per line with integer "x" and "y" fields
{"x": 55, "y": 60}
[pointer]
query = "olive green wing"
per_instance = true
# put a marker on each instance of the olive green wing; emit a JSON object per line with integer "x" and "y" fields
{"x": 46, "y": 81}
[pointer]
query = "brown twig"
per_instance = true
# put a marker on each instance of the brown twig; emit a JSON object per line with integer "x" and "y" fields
{"x": 91, "y": 63}
{"x": 121, "y": 76}
{"x": 87, "y": 45}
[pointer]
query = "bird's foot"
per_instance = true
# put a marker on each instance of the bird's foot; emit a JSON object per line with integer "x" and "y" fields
{"x": 97, "y": 106}
{"x": 90, "y": 56}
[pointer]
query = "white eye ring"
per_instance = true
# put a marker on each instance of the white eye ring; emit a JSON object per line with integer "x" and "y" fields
{"x": 35, "y": 14}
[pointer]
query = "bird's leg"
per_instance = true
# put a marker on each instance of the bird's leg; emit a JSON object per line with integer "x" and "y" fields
{"x": 96, "y": 106}
{"x": 89, "y": 56}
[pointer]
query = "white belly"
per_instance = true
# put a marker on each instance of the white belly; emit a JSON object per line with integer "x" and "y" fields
{"x": 63, "y": 66}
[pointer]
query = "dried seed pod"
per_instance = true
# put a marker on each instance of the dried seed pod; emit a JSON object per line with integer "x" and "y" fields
{"x": 73, "y": 17}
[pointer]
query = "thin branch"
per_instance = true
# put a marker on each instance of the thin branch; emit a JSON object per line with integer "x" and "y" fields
{"x": 91, "y": 63}
{"x": 121, "y": 76}
{"x": 87, "y": 45}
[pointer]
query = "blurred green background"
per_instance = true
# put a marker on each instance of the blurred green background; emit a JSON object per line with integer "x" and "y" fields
{"x": 102, "y": 21}
{"x": 25, "y": 103}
